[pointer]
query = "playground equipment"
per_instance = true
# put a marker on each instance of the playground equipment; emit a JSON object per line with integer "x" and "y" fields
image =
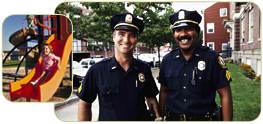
{"x": 60, "y": 38}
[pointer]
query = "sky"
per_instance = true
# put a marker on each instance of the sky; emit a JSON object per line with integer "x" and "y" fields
{"x": 11, "y": 25}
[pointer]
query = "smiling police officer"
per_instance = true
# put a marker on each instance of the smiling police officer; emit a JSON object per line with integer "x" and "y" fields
{"x": 122, "y": 83}
{"x": 191, "y": 75}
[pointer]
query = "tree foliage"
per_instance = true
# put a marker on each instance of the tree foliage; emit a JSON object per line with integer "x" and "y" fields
{"x": 95, "y": 26}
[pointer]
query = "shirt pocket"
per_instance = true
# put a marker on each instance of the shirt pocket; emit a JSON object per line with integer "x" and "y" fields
{"x": 172, "y": 81}
{"x": 108, "y": 96}
{"x": 203, "y": 83}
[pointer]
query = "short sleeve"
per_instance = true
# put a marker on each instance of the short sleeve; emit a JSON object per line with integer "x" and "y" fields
{"x": 87, "y": 91}
{"x": 150, "y": 89}
{"x": 54, "y": 57}
{"x": 221, "y": 75}
{"x": 161, "y": 78}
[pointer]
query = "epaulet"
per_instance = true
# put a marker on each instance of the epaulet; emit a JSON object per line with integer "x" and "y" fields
{"x": 175, "y": 51}
{"x": 106, "y": 59}
{"x": 205, "y": 48}
{"x": 140, "y": 61}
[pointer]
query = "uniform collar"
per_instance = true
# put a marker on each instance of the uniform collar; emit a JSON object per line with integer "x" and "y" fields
{"x": 114, "y": 65}
{"x": 177, "y": 52}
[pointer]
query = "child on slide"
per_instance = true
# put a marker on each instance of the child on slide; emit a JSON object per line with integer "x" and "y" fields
{"x": 49, "y": 59}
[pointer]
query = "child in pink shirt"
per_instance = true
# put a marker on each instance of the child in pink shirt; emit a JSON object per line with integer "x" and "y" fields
{"x": 48, "y": 61}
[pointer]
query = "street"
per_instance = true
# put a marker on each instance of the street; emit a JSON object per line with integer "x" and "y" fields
{"x": 68, "y": 111}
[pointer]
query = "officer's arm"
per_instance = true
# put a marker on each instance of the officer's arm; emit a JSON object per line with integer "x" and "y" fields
{"x": 226, "y": 102}
{"x": 153, "y": 105}
{"x": 162, "y": 98}
{"x": 84, "y": 111}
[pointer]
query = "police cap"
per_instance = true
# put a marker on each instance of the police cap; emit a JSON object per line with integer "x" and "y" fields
{"x": 126, "y": 21}
{"x": 184, "y": 18}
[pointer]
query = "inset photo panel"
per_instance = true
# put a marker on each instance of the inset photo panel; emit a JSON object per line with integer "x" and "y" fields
{"x": 37, "y": 58}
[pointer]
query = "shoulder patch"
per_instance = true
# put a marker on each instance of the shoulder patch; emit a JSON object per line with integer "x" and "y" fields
{"x": 221, "y": 62}
{"x": 80, "y": 88}
{"x": 228, "y": 75}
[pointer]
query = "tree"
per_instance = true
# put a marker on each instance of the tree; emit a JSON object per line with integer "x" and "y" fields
{"x": 156, "y": 18}
{"x": 95, "y": 27}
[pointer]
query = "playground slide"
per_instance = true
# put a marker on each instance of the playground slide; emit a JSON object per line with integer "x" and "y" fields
{"x": 45, "y": 90}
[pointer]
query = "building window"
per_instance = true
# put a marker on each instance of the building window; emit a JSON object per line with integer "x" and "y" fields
{"x": 211, "y": 45}
{"x": 224, "y": 49}
{"x": 250, "y": 26}
{"x": 248, "y": 61}
{"x": 224, "y": 46}
{"x": 243, "y": 30}
{"x": 210, "y": 27}
{"x": 76, "y": 45}
{"x": 223, "y": 12}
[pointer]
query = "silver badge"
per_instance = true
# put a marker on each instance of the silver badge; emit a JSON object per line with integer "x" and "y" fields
{"x": 181, "y": 15}
{"x": 128, "y": 18}
{"x": 141, "y": 77}
{"x": 113, "y": 67}
{"x": 201, "y": 65}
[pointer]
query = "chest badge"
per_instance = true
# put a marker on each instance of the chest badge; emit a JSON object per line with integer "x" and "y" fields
{"x": 141, "y": 77}
{"x": 201, "y": 65}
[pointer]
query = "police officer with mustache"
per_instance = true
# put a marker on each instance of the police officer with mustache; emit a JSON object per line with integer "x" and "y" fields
{"x": 191, "y": 75}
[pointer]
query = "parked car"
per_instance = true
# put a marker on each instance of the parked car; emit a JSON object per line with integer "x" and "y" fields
{"x": 81, "y": 68}
{"x": 86, "y": 63}
{"x": 78, "y": 73}
{"x": 151, "y": 58}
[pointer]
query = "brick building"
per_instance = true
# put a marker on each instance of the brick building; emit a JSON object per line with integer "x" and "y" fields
{"x": 244, "y": 27}
{"x": 215, "y": 35}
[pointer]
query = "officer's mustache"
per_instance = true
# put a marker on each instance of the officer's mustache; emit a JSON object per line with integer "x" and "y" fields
{"x": 184, "y": 37}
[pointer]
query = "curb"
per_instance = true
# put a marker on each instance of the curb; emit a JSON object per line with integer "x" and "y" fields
{"x": 68, "y": 102}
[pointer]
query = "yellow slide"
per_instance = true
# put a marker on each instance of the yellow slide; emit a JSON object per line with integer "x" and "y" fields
{"x": 47, "y": 89}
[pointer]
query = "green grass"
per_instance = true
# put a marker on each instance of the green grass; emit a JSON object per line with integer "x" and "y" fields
{"x": 10, "y": 63}
{"x": 245, "y": 94}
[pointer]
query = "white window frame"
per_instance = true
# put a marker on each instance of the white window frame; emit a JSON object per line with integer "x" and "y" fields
{"x": 242, "y": 31}
{"x": 250, "y": 26}
{"x": 222, "y": 46}
{"x": 249, "y": 61}
{"x": 211, "y": 43}
{"x": 77, "y": 45}
{"x": 223, "y": 12}
{"x": 210, "y": 26}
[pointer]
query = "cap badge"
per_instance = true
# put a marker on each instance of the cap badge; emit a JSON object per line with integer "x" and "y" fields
{"x": 181, "y": 15}
{"x": 128, "y": 18}
{"x": 141, "y": 77}
{"x": 201, "y": 65}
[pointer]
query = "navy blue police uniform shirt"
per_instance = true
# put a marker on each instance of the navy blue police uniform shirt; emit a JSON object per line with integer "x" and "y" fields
{"x": 192, "y": 84}
{"x": 121, "y": 94}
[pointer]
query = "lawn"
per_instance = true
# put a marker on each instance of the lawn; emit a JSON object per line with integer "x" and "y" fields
{"x": 13, "y": 63}
{"x": 246, "y": 95}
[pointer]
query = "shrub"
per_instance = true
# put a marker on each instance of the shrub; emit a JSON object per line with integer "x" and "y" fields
{"x": 248, "y": 71}
{"x": 231, "y": 61}
{"x": 258, "y": 78}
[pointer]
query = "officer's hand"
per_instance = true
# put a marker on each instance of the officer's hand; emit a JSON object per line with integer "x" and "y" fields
{"x": 158, "y": 119}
